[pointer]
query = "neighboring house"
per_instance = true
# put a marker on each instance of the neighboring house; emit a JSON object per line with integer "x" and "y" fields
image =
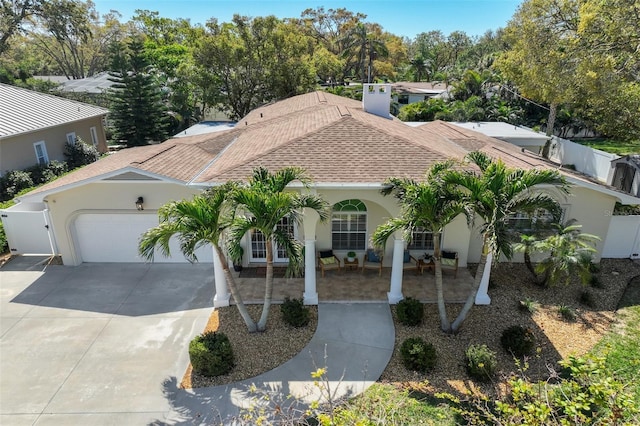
{"x": 346, "y": 149}
{"x": 519, "y": 136}
{"x": 35, "y": 127}
{"x": 408, "y": 92}
{"x": 625, "y": 174}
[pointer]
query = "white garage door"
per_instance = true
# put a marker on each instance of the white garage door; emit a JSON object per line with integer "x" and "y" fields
{"x": 114, "y": 238}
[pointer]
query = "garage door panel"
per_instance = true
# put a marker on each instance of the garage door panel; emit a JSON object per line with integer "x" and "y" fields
{"x": 115, "y": 237}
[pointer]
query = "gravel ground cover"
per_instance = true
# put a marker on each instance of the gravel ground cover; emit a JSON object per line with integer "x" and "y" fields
{"x": 556, "y": 337}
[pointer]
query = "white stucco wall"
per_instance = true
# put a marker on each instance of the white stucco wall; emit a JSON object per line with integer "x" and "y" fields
{"x": 106, "y": 197}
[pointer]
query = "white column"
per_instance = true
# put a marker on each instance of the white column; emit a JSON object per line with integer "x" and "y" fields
{"x": 310, "y": 294}
{"x": 222, "y": 294}
{"x": 395, "y": 292}
{"x": 482, "y": 297}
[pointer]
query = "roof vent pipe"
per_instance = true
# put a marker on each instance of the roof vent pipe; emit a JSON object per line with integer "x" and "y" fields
{"x": 376, "y": 99}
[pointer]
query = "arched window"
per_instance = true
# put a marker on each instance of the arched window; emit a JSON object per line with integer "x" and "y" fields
{"x": 349, "y": 225}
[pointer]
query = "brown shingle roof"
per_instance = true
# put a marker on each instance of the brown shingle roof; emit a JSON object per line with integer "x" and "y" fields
{"x": 329, "y": 136}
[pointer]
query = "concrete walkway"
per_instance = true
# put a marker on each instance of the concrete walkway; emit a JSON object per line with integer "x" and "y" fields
{"x": 353, "y": 341}
{"x": 106, "y": 344}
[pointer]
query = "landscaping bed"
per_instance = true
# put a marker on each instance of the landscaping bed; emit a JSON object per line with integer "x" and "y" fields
{"x": 556, "y": 337}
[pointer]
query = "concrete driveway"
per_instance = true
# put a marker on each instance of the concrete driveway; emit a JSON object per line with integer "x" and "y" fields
{"x": 96, "y": 344}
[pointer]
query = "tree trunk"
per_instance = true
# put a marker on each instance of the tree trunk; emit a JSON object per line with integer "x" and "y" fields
{"x": 237, "y": 298}
{"x": 445, "y": 325}
{"x": 468, "y": 304}
{"x": 553, "y": 111}
{"x": 268, "y": 289}
{"x": 528, "y": 264}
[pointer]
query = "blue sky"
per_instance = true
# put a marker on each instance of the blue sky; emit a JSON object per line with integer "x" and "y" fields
{"x": 400, "y": 17}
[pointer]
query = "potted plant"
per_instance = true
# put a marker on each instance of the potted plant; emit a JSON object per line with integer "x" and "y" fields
{"x": 237, "y": 262}
{"x": 351, "y": 256}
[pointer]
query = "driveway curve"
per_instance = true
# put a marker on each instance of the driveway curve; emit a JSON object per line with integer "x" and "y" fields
{"x": 354, "y": 342}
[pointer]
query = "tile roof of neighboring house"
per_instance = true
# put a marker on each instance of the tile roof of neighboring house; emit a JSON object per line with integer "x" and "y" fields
{"x": 23, "y": 110}
{"x": 331, "y": 137}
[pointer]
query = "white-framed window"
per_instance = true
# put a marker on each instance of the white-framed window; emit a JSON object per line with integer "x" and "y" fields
{"x": 526, "y": 222}
{"x": 349, "y": 225}
{"x": 259, "y": 243}
{"x": 421, "y": 240}
{"x": 41, "y": 152}
{"x": 71, "y": 138}
{"x": 94, "y": 136}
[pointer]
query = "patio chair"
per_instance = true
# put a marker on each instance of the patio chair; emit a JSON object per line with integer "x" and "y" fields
{"x": 410, "y": 263}
{"x": 372, "y": 261}
{"x": 449, "y": 260}
{"x": 327, "y": 261}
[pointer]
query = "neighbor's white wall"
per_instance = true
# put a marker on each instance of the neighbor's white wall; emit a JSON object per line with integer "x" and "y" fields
{"x": 623, "y": 239}
{"x": 589, "y": 161}
{"x": 103, "y": 197}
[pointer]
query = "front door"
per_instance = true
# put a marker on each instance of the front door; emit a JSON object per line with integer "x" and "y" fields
{"x": 259, "y": 245}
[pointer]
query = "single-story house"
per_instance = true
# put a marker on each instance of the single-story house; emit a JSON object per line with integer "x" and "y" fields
{"x": 347, "y": 148}
{"x": 35, "y": 127}
{"x": 408, "y": 92}
{"x": 625, "y": 174}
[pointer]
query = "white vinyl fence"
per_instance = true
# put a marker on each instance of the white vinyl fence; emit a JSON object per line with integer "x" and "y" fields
{"x": 28, "y": 229}
{"x": 623, "y": 238}
{"x": 589, "y": 161}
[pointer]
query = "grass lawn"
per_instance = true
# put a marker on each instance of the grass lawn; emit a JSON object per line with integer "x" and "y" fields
{"x": 612, "y": 146}
{"x": 622, "y": 345}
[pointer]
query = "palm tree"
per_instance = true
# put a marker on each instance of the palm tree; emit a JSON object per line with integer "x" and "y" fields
{"x": 267, "y": 203}
{"x": 428, "y": 205}
{"x": 365, "y": 46}
{"x": 196, "y": 222}
{"x": 570, "y": 253}
{"x": 494, "y": 194}
{"x": 419, "y": 67}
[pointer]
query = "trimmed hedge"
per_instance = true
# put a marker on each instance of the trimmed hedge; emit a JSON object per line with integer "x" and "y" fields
{"x": 418, "y": 355}
{"x": 410, "y": 311}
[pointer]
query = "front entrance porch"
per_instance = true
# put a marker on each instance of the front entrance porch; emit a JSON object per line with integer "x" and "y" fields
{"x": 354, "y": 286}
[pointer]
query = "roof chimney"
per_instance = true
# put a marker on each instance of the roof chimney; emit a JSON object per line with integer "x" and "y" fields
{"x": 376, "y": 99}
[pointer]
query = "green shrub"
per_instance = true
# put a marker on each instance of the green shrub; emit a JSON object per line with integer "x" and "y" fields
{"x": 43, "y": 173}
{"x": 211, "y": 354}
{"x": 80, "y": 154}
{"x": 418, "y": 355}
{"x": 480, "y": 362}
{"x": 528, "y": 305}
{"x": 594, "y": 268}
{"x": 4, "y": 244}
{"x": 592, "y": 394}
{"x": 13, "y": 182}
{"x": 567, "y": 313}
{"x": 294, "y": 312}
{"x": 518, "y": 340}
{"x": 410, "y": 311}
{"x": 587, "y": 299}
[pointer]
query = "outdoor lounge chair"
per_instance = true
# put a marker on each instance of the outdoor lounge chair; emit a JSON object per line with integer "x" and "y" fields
{"x": 372, "y": 261}
{"x": 449, "y": 261}
{"x": 327, "y": 261}
{"x": 410, "y": 263}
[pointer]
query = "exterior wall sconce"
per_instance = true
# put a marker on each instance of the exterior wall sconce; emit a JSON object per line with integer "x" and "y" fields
{"x": 139, "y": 203}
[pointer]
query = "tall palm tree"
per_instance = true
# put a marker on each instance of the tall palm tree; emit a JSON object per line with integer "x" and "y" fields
{"x": 195, "y": 223}
{"x": 496, "y": 193}
{"x": 267, "y": 203}
{"x": 365, "y": 46}
{"x": 429, "y": 205}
